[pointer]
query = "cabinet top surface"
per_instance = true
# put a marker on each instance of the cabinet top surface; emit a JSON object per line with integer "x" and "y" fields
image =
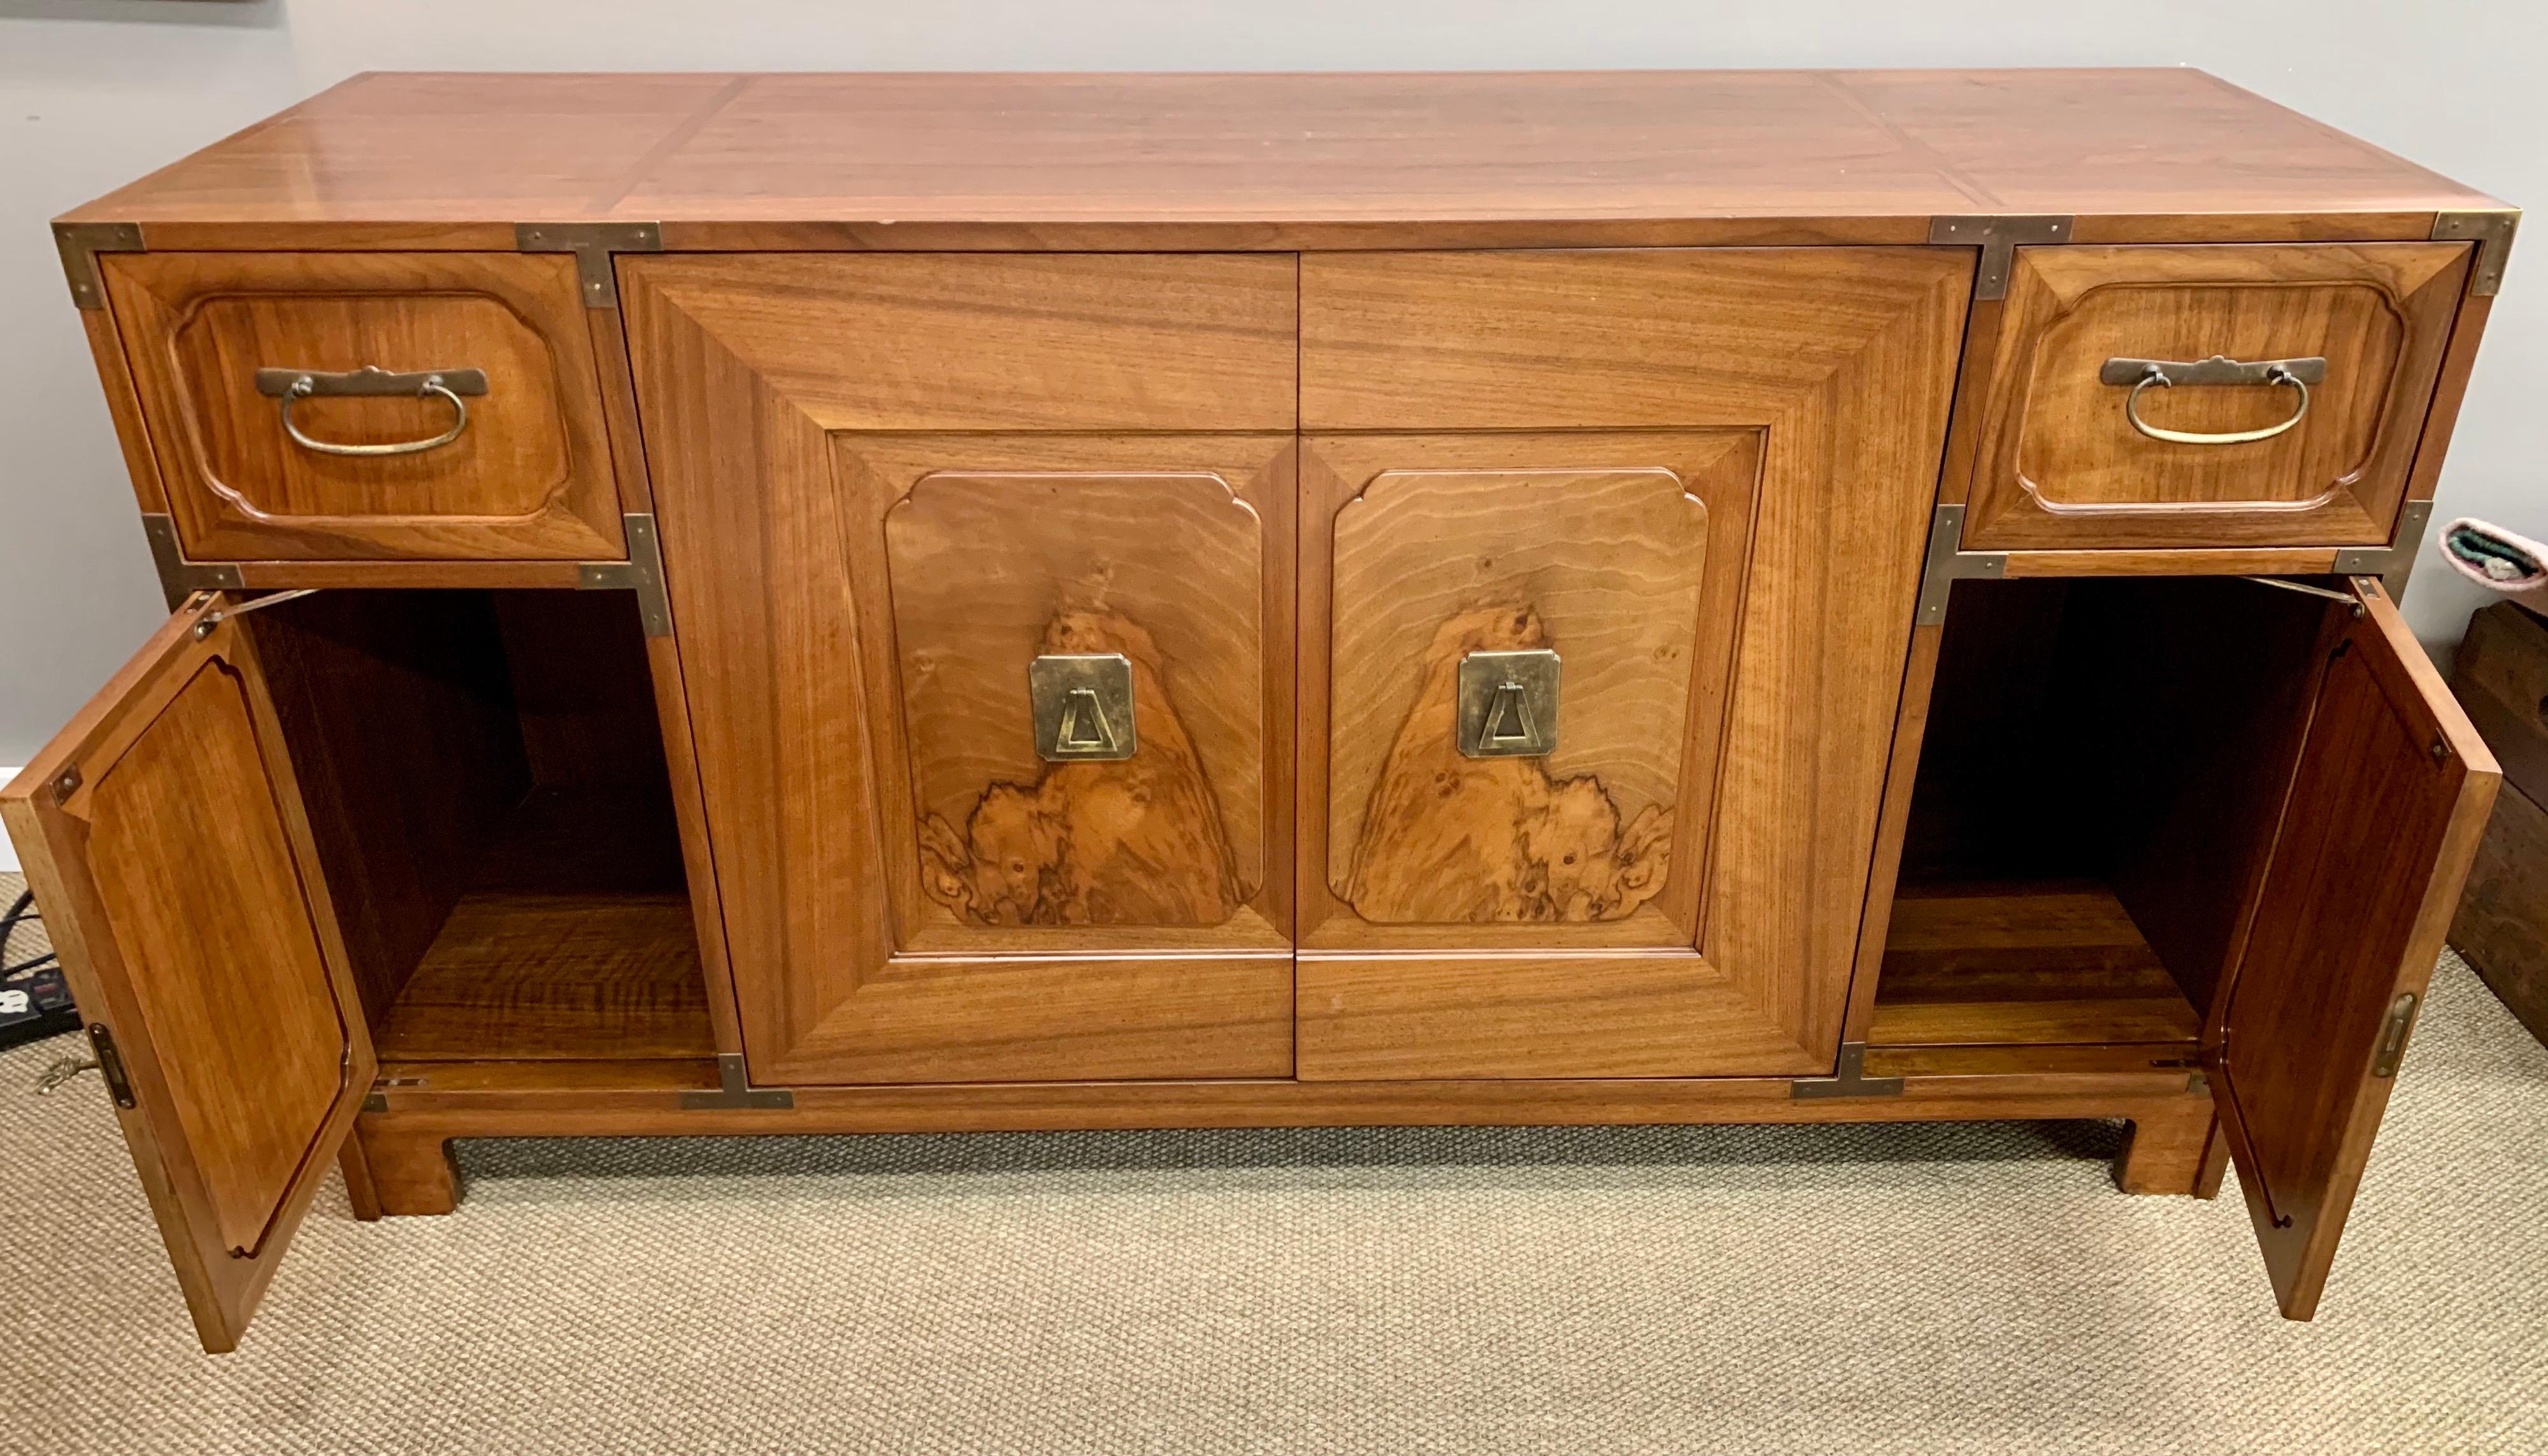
{"x": 420, "y": 160}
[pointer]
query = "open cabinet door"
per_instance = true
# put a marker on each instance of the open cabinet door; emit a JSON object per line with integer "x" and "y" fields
{"x": 2386, "y": 805}
{"x": 164, "y": 835}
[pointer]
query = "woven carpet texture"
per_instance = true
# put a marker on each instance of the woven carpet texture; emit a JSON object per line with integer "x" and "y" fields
{"x": 1943, "y": 1289}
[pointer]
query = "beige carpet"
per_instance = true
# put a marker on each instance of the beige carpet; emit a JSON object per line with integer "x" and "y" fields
{"x": 1945, "y": 1288}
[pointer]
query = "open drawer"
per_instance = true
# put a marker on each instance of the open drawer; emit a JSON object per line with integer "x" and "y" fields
{"x": 2190, "y": 822}
{"x": 370, "y": 406}
{"x": 477, "y": 779}
{"x": 2248, "y": 395}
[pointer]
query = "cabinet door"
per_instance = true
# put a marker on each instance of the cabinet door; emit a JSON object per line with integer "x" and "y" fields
{"x": 2383, "y": 818}
{"x": 983, "y": 572}
{"x": 164, "y": 835}
{"x": 1610, "y": 563}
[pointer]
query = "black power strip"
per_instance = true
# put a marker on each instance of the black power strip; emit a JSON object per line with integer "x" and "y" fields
{"x": 34, "y": 1000}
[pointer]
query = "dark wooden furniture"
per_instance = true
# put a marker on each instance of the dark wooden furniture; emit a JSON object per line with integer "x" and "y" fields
{"x": 895, "y": 602}
{"x": 2500, "y": 677}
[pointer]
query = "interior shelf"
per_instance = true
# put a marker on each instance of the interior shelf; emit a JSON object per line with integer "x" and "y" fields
{"x": 2041, "y": 962}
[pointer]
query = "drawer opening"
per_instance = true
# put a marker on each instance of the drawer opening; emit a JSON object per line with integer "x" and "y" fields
{"x": 2103, "y": 765}
{"x": 486, "y": 787}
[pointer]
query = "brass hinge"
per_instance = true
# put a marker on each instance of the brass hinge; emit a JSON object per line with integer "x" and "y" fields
{"x": 377, "y": 1099}
{"x": 642, "y": 573}
{"x": 735, "y": 1089}
{"x": 1947, "y": 563}
{"x": 79, "y": 243}
{"x": 1999, "y": 238}
{"x": 179, "y": 578}
{"x": 2492, "y": 231}
{"x": 1851, "y": 1079}
{"x": 592, "y": 245}
{"x": 109, "y": 1065}
{"x": 2391, "y": 563}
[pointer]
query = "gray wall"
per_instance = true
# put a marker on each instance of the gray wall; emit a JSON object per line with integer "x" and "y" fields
{"x": 95, "y": 92}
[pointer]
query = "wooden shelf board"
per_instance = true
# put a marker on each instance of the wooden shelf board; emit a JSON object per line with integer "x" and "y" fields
{"x": 2054, "y": 962}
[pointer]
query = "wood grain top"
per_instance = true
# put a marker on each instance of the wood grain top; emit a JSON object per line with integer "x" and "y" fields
{"x": 1011, "y": 159}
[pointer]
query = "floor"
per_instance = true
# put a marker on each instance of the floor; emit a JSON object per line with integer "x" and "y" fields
{"x": 1945, "y": 1289}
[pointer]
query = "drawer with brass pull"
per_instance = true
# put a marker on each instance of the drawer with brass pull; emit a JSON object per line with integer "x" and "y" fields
{"x": 2256, "y": 394}
{"x": 362, "y": 406}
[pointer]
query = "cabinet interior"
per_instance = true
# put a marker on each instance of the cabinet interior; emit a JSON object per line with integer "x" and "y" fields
{"x": 2104, "y": 764}
{"x": 488, "y": 793}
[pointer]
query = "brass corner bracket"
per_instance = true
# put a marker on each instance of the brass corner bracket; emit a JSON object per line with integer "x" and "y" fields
{"x": 1850, "y": 1080}
{"x": 1999, "y": 238}
{"x": 592, "y": 245}
{"x": 642, "y": 573}
{"x": 735, "y": 1089}
{"x": 79, "y": 243}
{"x": 2394, "y": 562}
{"x": 1948, "y": 563}
{"x": 2492, "y": 231}
{"x": 179, "y": 578}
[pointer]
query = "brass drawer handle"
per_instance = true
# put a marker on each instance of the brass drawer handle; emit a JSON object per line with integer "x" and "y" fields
{"x": 289, "y": 385}
{"x": 2141, "y": 374}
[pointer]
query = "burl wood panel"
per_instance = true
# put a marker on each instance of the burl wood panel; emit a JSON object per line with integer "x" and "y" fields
{"x": 181, "y": 887}
{"x": 765, "y": 386}
{"x": 1741, "y": 963}
{"x": 529, "y": 477}
{"x": 1602, "y": 565}
{"x": 2060, "y": 465}
{"x": 989, "y": 570}
{"x": 2385, "y": 812}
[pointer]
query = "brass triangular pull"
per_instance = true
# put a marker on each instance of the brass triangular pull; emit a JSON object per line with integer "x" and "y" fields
{"x": 1083, "y": 725}
{"x": 1509, "y": 719}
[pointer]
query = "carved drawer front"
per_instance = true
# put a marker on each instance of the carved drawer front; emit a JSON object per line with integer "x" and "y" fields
{"x": 1609, "y": 564}
{"x": 359, "y": 406}
{"x": 2156, "y": 397}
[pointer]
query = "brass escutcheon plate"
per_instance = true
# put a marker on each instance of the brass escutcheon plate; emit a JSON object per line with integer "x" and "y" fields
{"x": 1083, "y": 706}
{"x": 1509, "y": 704}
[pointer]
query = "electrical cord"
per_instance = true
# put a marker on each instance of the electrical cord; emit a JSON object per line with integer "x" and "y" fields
{"x": 22, "y": 913}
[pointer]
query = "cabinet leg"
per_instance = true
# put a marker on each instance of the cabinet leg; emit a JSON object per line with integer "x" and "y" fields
{"x": 2171, "y": 1151}
{"x": 359, "y": 1191}
{"x": 406, "y": 1172}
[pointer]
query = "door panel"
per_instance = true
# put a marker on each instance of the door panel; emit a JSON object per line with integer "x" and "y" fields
{"x": 164, "y": 835}
{"x": 2385, "y": 807}
{"x": 873, "y": 528}
{"x": 1598, "y": 454}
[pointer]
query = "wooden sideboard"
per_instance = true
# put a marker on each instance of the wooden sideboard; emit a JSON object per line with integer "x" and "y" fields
{"x": 797, "y": 604}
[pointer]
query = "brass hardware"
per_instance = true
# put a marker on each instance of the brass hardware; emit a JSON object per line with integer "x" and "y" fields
{"x": 2391, "y": 563}
{"x": 1083, "y": 707}
{"x": 1947, "y": 564}
{"x": 2492, "y": 231}
{"x": 2141, "y": 374}
{"x": 372, "y": 381}
{"x": 2350, "y": 599}
{"x": 109, "y": 1065}
{"x": 212, "y": 619}
{"x": 1999, "y": 239}
{"x": 2393, "y": 1036}
{"x": 734, "y": 1089}
{"x": 67, "y": 784}
{"x": 79, "y": 243}
{"x": 1851, "y": 1080}
{"x": 592, "y": 245}
{"x": 1508, "y": 704}
{"x": 179, "y": 578}
{"x": 642, "y": 573}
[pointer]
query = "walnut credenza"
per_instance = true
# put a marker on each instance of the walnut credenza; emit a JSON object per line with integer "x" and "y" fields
{"x": 847, "y": 603}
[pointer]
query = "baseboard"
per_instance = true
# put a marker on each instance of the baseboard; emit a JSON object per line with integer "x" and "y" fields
{"x": 8, "y": 852}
